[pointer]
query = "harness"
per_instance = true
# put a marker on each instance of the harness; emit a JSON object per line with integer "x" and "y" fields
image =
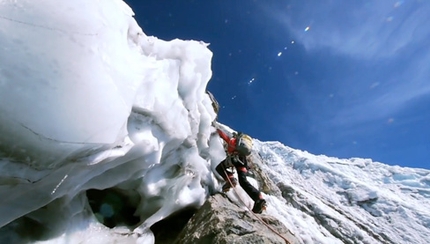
{"x": 231, "y": 159}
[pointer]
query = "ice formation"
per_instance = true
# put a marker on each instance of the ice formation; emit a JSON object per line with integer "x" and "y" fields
{"x": 88, "y": 101}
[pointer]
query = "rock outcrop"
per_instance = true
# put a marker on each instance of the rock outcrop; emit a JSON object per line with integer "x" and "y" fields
{"x": 221, "y": 221}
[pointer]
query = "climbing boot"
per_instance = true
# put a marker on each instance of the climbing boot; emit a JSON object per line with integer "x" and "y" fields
{"x": 259, "y": 206}
{"x": 226, "y": 187}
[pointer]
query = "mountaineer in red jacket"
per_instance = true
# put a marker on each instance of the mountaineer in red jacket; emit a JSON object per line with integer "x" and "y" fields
{"x": 238, "y": 159}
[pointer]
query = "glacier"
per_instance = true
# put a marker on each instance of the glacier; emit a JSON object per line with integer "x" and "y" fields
{"x": 100, "y": 119}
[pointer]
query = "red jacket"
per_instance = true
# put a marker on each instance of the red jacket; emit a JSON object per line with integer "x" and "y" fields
{"x": 231, "y": 142}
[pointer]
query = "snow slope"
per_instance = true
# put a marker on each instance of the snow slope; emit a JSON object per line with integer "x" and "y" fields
{"x": 333, "y": 200}
{"x": 93, "y": 111}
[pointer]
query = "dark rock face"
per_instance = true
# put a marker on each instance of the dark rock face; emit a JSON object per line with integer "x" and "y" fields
{"x": 221, "y": 221}
{"x": 168, "y": 229}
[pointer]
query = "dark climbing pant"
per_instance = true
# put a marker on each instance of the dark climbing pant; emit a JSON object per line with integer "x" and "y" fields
{"x": 241, "y": 173}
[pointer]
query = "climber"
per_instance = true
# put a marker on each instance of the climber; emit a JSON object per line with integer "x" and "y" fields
{"x": 237, "y": 157}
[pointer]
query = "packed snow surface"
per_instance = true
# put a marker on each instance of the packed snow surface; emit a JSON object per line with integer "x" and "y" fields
{"x": 88, "y": 102}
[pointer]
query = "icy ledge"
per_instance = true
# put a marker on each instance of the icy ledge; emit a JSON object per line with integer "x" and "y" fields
{"x": 98, "y": 121}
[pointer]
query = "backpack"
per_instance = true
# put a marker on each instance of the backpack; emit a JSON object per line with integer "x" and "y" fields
{"x": 243, "y": 143}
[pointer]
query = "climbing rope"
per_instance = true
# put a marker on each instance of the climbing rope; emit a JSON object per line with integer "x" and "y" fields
{"x": 249, "y": 210}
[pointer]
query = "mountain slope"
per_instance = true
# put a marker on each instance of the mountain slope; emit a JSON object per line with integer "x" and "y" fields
{"x": 333, "y": 200}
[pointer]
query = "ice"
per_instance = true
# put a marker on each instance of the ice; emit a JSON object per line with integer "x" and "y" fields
{"x": 90, "y": 106}
{"x": 67, "y": 79}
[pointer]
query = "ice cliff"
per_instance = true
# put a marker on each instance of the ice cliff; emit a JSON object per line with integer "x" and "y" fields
{"x": 88, "y": 101}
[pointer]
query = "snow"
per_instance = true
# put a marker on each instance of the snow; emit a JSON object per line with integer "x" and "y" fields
{"x": 89, "y": 101}
{"x": 390, "y": 202}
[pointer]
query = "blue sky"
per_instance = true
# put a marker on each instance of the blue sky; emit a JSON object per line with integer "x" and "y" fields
{"x": 333, "y": 77}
